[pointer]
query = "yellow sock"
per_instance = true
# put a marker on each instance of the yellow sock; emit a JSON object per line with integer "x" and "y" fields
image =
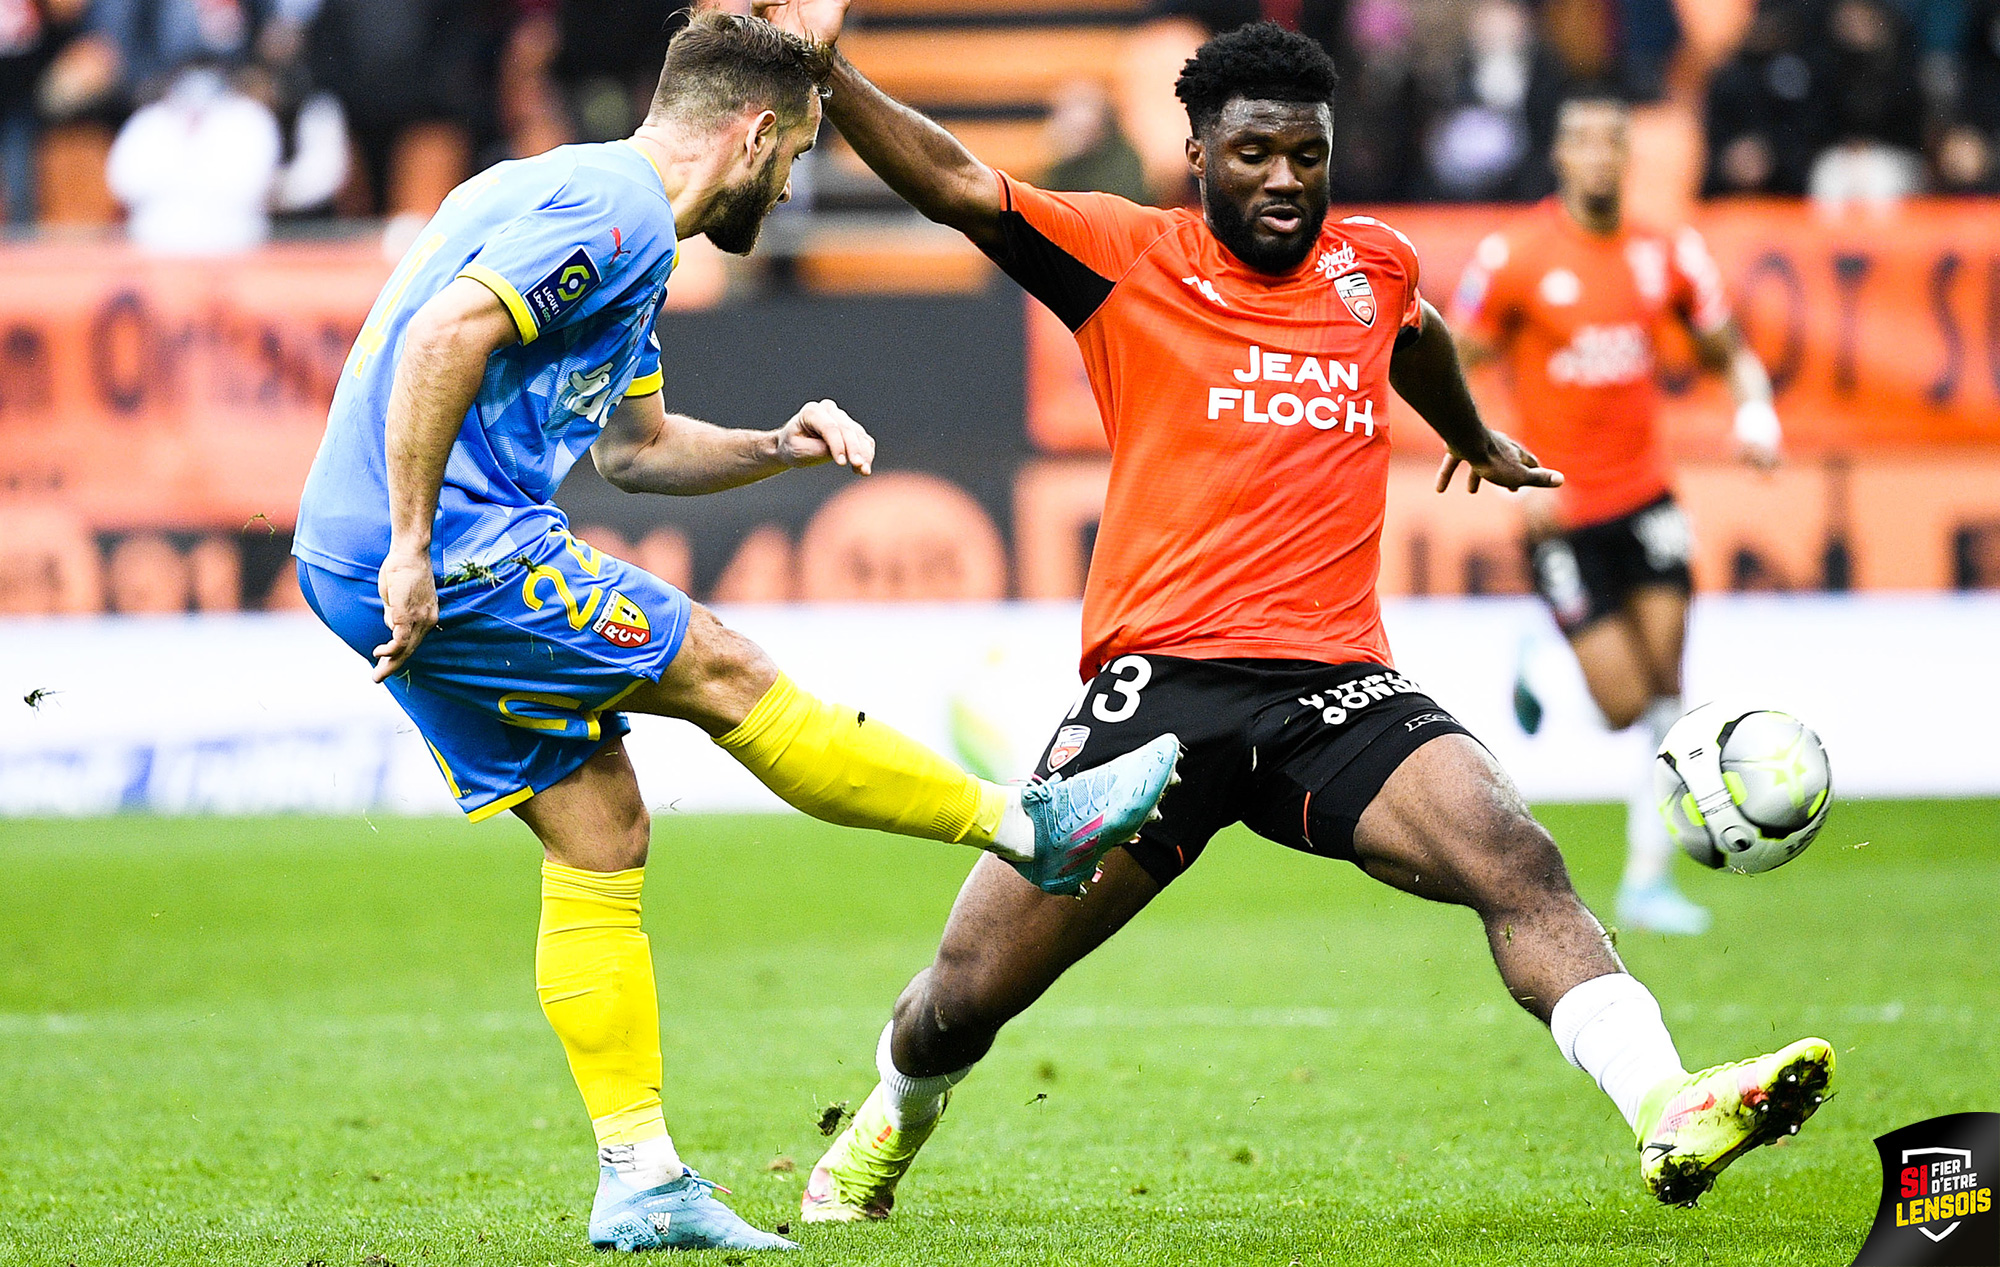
{"x": 594, "y": 972}
{"x": 837, "y": 765}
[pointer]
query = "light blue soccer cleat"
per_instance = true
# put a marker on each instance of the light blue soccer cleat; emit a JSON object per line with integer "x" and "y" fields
{"x": 683, "y": 1214}
{"x": 1080, "y": 818}
{"x": 1659, "y": 907}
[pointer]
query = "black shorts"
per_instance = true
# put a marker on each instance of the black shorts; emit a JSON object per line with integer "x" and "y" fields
{"x": 1293, "y": 749}
{"x": 1587, "y": 573}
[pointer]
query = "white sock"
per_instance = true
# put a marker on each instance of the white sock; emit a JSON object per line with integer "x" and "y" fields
{"x": 1015, "y": 839}
{"x": 1610, "y": 1028}
{"x": 646, "y": 1164}
{"x": 911, "y": 1101}
{"x": 1648, "y": 850}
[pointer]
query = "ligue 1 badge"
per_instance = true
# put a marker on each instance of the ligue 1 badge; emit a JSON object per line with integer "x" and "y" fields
{"x": 1937, "y": 1195}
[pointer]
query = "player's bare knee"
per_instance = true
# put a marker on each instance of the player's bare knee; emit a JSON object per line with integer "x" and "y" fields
{"x": 1517, "y": 869}
{"x": 636, "y": 837}
{"x": 1535, "y": 869}
{"x": 959, "y": 1003}
{"x": 718, "y": 675}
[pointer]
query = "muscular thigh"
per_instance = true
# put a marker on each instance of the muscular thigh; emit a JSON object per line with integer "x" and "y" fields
{"x": 714, "y": 682}
{"x": 1007, "y": 941}
{"x": 1327, "y": 738}
{"x": 1449, "y": 825}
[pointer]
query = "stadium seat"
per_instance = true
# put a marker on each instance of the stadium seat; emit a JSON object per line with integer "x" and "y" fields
{"x": 70, "y": 165}
{"x": 892, "y": 12}
{"x": 892, "y": 261}
{"x": 1018, "y": 146}
{"x": 988, "y": 68}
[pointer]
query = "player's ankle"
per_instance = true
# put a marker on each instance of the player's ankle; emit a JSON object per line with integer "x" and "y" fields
{"x": 1013, "y": 836}
{"x": 911, "y": 1101}
{"x": 645, "y": 1163}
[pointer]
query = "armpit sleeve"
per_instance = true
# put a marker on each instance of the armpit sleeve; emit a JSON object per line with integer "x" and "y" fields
{"x": 1069, "y": 250}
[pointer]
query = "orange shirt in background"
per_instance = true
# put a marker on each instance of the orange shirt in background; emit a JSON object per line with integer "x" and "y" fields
{"x": 1575, "y": 313}
{"x": 1248, "y": 421}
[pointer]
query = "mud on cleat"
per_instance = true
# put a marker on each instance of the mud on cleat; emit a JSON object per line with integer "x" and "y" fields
{"x": 1083, "y": 816}
{"x": 1692, "y": 1128}
{"x": 857, "y": 1177}
{"x": 683, "y": 1214}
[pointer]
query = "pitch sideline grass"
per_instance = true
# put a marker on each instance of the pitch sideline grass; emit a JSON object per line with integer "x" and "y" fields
{"x": 290, "y": 1041}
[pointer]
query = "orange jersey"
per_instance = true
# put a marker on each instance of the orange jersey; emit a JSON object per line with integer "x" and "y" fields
{"x": 1575, "y": 312}
{"x": 1248, "y": 420}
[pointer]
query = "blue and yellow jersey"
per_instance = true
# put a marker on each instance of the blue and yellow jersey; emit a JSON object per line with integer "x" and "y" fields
{"x": 578, "y": 243}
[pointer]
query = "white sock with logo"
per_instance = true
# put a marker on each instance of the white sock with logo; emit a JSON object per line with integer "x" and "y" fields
{"x": 1648, "y": 849}
{"x": 646, "y": 1164}
{"x": 1610, "y": 1027}
{"x": 911, "y": 1101}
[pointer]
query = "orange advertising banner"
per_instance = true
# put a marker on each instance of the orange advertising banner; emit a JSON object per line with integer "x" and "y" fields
{"x": 1879, "y": 329}
{"x": 136, "y": 391}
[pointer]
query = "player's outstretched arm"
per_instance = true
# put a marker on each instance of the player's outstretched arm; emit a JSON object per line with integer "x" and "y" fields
{"x": 437, "y": 380}
{"x": 927, "y": 166}
{"x": 1758, "y": 435}
{"x": 645, "y": 449}
{"x": 1425, "y": 371}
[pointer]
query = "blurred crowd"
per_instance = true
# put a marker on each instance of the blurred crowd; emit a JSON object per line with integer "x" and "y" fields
{"x": 1843, "y": 100}
{"x": 200, "y": 121}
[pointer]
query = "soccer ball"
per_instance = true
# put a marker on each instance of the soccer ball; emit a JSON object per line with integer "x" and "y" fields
{"x": 1743, "y": 788}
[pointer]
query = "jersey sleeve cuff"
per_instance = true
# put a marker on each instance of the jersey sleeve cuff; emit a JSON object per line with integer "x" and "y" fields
{"x": 517, "y": 307}
{"x": 646, "y": 385}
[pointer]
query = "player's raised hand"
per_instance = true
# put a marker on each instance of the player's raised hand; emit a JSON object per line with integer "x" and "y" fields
{"x": 1758, "y": 436}
{"x": 1505, "y": 463}
{"x": 817, "y": 20}
{"x": 409, "y": 608}
{"x": 820, "y": 432}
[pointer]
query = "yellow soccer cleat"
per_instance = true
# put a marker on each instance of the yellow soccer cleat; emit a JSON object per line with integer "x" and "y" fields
{"x": 857, "y": 1178}
{"x": 1691, "y": 1128}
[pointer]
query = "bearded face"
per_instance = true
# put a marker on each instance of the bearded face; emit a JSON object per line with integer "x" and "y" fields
{"x": 1264, "y": 180}
{"x": 738, "y": 217}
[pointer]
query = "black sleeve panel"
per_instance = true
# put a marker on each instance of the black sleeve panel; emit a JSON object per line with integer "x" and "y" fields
{"x": 1406, "y": 336}
{"x": 1060, "y": 280}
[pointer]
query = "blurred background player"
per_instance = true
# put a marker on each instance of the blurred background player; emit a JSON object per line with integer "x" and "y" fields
{"x": 1572, "y": 296}
{"x": 516, "y": 336}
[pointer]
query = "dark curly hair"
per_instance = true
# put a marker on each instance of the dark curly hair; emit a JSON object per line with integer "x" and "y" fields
{"x": 1261, "y": 61}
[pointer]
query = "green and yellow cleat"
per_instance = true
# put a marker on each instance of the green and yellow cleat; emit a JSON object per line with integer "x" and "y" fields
{"x": 1692, "y": 1128}
{"x": 857, "y": 1178}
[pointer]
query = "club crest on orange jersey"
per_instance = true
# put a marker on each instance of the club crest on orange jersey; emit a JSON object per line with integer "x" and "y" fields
{"x": 1069, "y": 742}
{"x": 1358, "y": 295}
{"x": 623, "y": 623}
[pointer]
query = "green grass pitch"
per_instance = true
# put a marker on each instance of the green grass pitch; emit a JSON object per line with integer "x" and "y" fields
{"x": 297, "y": 1041}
